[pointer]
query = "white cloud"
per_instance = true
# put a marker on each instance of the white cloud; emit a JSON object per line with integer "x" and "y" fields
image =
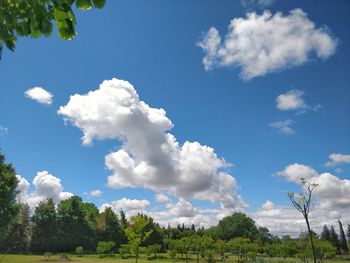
{"x": 292, "y": 100}
{"x": 46, "y": 186}
{"x": 127, "y": 205}
{"x": 95, "y": 193}
{"x": 331, "y": 192}
{"x": 161, "y": 198}
{"x": 337, "y": 159}
{"x": 286, "y": 220}
{"x": 283, "y": 127}
{"x": 40, "y": 95}
{"x": 295, "y": 172}
{"x": 260, "y": 44}
{"x": 182, "y": 208}
{"x": 3, "y": 131}
{"x": 150, "y": 156}
{"x": 334, "y": 215}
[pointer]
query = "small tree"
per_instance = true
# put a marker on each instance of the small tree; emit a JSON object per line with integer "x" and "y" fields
{"x": 302, "y": 202}
{"x": 136, "y": 233}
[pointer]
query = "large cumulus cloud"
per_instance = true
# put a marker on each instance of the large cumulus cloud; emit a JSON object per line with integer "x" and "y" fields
{"x": 150, "y": 156}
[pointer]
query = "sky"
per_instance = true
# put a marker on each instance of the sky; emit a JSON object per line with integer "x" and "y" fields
{"x": 186, "y": 110}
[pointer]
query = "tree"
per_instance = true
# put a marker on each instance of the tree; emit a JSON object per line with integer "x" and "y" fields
{"x": 45, "y": 229}
{"x": 348, "y": 232}
{"x": 108, "y": 227}
{"x": 75, "y": 230}
{"x": 18, "y": 237}
{"x": 325, "y": 235}
{"x": 237, "y": 225}
{"x": 342, "y": 242}
{"x": 334, "y": 239}
{"x": 8, "y": 206}
{"x": 35, "y": 18}
{"x": 302, "y": 202}
{"x": 136, "y": 233}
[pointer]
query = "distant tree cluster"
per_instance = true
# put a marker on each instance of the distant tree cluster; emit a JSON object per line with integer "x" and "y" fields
{"x": 338, "y": 241}
{"x": 76, "y": 226}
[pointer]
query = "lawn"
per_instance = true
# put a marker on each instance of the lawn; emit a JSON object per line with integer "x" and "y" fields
{"x": 165, "y": 259}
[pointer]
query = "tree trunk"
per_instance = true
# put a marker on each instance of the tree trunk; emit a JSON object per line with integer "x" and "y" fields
{"x": 311, "y": 237}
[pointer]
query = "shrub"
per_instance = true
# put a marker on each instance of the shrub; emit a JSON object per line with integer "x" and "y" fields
{"x": 124, "y": 250}
{"x": 105, "y": 247}
{"x": 79, "y": 251}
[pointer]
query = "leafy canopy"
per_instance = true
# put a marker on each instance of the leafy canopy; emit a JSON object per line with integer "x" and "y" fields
{"x": 8, "y": 192}
{"x": 35, "y": 18}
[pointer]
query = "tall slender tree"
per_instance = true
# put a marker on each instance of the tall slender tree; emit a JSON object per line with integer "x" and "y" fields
{"x": 302, "y": 202}
{"x": 334, "y": 239}
{"x": 342, "y": 240}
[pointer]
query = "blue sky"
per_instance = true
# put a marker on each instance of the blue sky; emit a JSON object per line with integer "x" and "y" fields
{"x": 154, "y": 45}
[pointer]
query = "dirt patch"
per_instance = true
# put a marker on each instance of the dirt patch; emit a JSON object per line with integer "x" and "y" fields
{"x": 60, "y": 259}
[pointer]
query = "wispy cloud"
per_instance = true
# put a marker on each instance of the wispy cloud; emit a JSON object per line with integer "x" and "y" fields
{"x": 337, "y": 159}
{"x": 283, "y": 127}
{"x": 3, "y": 131}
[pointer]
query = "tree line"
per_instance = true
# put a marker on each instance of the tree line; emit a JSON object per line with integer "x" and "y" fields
{"x": 76, "y": 226}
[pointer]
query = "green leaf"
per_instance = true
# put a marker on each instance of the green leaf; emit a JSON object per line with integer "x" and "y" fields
{"x": 59, "y": 15}
{"x": 34, "y": 29}
{"x": 99, "y": 3}
{"x": 46, "y": 27}
{"x": 10, "y": 45}
{"x": 83, "y": 4}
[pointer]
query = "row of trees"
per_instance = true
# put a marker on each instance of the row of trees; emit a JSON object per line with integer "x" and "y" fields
{"x": 74, "y": 225}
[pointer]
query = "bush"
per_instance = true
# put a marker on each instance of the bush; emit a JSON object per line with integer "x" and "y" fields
{"x": 105, "y": 247}
{"x": 124, "y": 250}
{"x": 79, "y": 251}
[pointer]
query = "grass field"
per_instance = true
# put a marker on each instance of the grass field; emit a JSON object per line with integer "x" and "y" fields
{"x": 116, "y": 259}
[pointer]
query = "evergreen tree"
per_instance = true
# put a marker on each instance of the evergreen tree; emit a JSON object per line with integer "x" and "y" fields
{"x": 348, "y": 232}
{"x": 325, "y": 235}
{"x": 109, "y": 227}
{"x": 75, "y": 230}
{"x": 45, "y": 231}
{"x": 124, "y": 225}
{"x": 342, "y": 242}
{"x": 334, "y": 239}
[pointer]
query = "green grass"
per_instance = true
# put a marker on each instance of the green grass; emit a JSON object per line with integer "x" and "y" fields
{"x": 117, "y": 259}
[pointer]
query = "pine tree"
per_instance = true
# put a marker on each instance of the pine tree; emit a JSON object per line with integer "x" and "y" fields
{"x": 325, "y": 235}
{"x": 342, "y": 242}
{"x": 45, "y": 230}
{"x": 334, "y": 239}
{"x": 109, "y": 227}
